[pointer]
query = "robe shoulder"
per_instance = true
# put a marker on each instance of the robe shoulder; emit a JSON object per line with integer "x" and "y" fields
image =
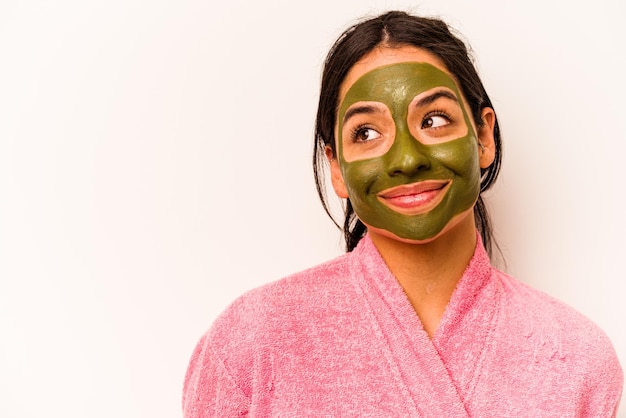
{"x": 309, "y": 295}
{"x": 532, "y": 311}
{"x": 294, "y": 313}
{"x": 541, "y": 332}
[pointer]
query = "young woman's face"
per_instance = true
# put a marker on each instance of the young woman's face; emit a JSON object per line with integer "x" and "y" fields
{"x": 407, "y": 148}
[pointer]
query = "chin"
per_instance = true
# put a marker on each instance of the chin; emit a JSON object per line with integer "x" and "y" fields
{"x": 373, "y": 231}
{"x": 457, "y": 224}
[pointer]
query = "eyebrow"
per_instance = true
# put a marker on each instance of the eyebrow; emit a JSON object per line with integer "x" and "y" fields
{"x": 359, "y": 110}
{"x": 426, "y": 100}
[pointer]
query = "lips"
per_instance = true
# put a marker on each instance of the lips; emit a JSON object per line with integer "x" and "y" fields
{"x": 415, "y": 198}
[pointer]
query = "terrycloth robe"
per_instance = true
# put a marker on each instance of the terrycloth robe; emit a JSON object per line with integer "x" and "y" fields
{"x": 342, "y": 340}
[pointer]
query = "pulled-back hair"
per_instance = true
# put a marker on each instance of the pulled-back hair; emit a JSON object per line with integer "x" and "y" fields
{"x": 397, "y": 28}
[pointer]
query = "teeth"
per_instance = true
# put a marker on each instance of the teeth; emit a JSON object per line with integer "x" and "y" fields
{"x": 411, "y": 191}
{"x": 412, "y": 198}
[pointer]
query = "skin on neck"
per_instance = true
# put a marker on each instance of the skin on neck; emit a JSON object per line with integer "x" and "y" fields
{"x": 429, "y": 273}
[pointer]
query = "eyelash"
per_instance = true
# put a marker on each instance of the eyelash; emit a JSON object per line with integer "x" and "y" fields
{"x": 354, "y": 132}
{"x": 435, "y": 113}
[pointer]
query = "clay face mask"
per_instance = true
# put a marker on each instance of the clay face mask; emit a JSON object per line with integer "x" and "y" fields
{"x": 407, "y": 150}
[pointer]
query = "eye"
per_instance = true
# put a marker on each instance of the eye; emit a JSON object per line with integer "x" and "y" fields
{"x": 364, "y": 134}
{"x": 435, "y": 121}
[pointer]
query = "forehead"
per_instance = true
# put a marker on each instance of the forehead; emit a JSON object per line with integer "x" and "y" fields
{"x": 384, "y": 56}
{"x": 397, "y": 84}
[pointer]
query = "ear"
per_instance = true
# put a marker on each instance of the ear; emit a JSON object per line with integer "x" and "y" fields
{"x": 487, "y": 144}
{"x": 335, "y": 174}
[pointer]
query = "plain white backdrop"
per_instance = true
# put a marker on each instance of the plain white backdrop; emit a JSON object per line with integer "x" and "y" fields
{"x": 155, "y": 164}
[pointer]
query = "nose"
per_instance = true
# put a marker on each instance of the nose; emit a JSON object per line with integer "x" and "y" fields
{"x": 406, "y": 156}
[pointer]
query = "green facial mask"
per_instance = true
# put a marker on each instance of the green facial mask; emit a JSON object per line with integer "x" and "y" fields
{"x": 409, "y": 161}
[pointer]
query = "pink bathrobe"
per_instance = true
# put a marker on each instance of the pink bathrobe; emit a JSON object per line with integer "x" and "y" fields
{"x": 342, "y": 340}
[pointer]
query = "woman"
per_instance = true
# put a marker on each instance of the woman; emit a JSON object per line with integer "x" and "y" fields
{"x": 413, "y": 320}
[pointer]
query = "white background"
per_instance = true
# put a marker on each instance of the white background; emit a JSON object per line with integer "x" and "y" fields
{"x": 155, "y": 164}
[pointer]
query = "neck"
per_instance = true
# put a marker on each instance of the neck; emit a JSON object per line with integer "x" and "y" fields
{"x": 429, "y": 271}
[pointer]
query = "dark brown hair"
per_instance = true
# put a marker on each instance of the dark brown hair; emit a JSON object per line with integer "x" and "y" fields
{"x": 399, "y": 28}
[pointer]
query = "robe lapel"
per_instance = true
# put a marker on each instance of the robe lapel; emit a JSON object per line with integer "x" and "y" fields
{"x": 418, "y": 369}
{"x": 467, "y": 326}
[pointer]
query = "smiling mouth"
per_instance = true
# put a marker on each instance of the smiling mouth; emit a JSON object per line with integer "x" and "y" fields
{"x": 415, "y": 198}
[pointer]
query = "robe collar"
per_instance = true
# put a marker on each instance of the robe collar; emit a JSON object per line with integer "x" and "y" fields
{"x": 451, "y": 362}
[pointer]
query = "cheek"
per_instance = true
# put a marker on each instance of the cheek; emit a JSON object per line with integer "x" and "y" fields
{"x": 459, "y": 156}
{"x": 360, "y": 175}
